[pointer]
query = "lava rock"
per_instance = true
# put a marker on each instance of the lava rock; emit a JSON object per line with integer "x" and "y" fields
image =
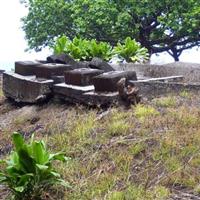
{"x": 98, "y": 63}
{"x": 107, "y": 82}
{"x": 26, "y": 89}
{"x": 81, "y": 77}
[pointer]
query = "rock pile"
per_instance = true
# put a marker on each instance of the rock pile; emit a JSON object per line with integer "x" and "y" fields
{"x": 94, "y": 82}
{"x": 91, "y": 83}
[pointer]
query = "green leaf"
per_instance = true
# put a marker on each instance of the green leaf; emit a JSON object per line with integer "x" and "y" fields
{"x": 131, "y": 51}
{"x": 24, "y": 179}
{"x": 3, "y": 177}
{"x": 42, "y": 167}
{"x": 39, "y": 152}
{"x": 14, "y": 159}
{"x": 55, "y": 174}
{"x": 26, "y": 161}
{"x": 59, "y": 156}
{"x": 18, "y": 141}
{"x": 19, "y": 189}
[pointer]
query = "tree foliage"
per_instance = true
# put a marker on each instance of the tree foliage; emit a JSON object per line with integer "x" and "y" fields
{"x": 164, "y": 25}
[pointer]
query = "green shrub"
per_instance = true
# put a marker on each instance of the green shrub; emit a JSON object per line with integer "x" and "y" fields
{"x": 78, "y": 49}
{"x": 29, "y": 169}
{"x": 61, "y": 44}
{"x": 82, "y": 49}
{"x": 131, "y": 51}
{"x": 100, "y": 49}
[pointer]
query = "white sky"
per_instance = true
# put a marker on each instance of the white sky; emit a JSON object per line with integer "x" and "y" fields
{"x": 12, "y": 43}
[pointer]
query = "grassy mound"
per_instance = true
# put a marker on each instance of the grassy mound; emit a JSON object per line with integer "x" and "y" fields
{"x": 148, "y": 152}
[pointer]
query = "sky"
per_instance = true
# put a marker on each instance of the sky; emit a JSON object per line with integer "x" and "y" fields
{"x": 12, "y": 37}
{"x": 13, "y": 44}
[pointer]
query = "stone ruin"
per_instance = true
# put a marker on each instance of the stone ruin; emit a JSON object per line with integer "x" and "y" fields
{"x": 60, "y": 77}
{"x": 157, "y": 80}
{"x": 95, "y": 82}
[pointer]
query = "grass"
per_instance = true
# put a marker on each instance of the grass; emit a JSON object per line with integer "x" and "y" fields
{"x": 142, "y": 153}
{"x": 169, "y": 101}
{"x": 142, "y": 112}
{"x": 1, "y": 93}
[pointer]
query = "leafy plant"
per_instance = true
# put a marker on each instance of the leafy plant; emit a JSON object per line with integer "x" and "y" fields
{"x": 78, "y": 49}
{"x": 101, "y": 50}
{"x": 131, "y": 51}
{"x": 29, "y": 169}
{"x": 61, "y": 45}
{"x": 82, "y": 49}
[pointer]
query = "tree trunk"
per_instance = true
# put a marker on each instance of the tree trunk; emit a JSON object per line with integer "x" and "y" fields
{"x": 176, "y": 57}
{"x": 175, "y": 54}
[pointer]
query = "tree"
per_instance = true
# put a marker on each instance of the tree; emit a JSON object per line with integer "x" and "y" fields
{"x": 159, "y": 25}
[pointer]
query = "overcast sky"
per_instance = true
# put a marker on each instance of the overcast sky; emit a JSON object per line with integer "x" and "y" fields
{"x": 13, "y": 44}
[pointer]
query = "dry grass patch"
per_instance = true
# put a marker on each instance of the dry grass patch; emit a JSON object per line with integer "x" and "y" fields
{"x": 141, "y": 153}
{"x": 169, "y": 101}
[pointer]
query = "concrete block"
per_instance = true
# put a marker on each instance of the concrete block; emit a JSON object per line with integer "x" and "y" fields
{"x": 81, "y": 77}
{"x": 99, "y": 98}
{"x": 58, "y": 79}
{"x": 26, "y": 89}
{"x": 71, "y": 90}
{"x": 51, "y": 69}
{"x": 108, "y": 81}
{"x": 98, "y": 63}
{"x": 41, "y": 70}
{"x": 152, "y": 89}
{"x": 26, "y": 68}
{"x": 84, "y": 95}
{"x": 62, "y": 59}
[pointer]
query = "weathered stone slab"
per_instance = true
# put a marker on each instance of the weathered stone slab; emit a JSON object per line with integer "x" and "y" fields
{"x": 2, "y": 71}
{"x": 104, "y": 98}
{"x": 71, "y": 90}
{"x": 51, "y": 69}
{"x": 62, "y": 59}
{"x": 153, "y": 89}
{"x": 1, "y": 74}
{"x": 42, "y": 61}
{"x": 161, "y": 79}
{"x": 108, "y": 81}
{"x": 26, "y": 68}
{"x": 41, "y": 70}
{"x": 81, "y": 77}
{"x": 58, "y": 79}
{"x": 26, "y": 89}
{"x": 191, "y": 71}
{"x": 98, "y": 63}
{"x": 84, "y": 95}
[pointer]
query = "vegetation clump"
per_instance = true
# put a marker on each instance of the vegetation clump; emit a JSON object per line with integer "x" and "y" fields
{"x": 83, "y": 49}
{"x": 29, "y": 170}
